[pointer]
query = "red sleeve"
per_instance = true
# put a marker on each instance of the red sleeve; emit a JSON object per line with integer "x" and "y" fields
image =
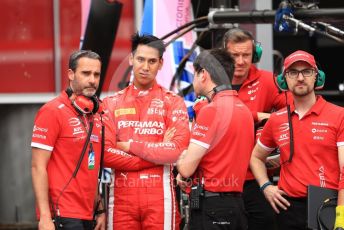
{"x": 167, "y": 152}
{"x": 266, "y": 139}
{"x": 340, "y": 143}
{"x": 119, "y": 160}
{"x": 46, "y": 129}
{"x": 115, "y": 158}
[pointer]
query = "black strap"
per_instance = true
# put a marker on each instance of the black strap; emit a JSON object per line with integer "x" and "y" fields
{"x": 102, "y": 153}
{"x": 83, "y": 149}
{"x": 96, "y": 211}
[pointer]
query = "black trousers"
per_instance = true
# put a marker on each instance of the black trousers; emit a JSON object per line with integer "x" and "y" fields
{"x": 73, "y": 224}
{"x": 260, "y": 213}
{"x": 295, "y": 217}
{"x": 220, "y": 212}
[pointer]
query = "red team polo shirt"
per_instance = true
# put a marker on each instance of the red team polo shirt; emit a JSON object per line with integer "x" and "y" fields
{"x": 317, "y": 136}
{"x": 58, "y": 129}
{"x": 219, "y": 128}
{"x": 260, "y": 94}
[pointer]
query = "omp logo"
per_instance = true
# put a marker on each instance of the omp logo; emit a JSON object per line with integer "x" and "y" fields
{"x": 74, "y": 121}
{"x": 157, "y": 103}
{"x": 283, "y": 127}
{"x": 124, "y": 111}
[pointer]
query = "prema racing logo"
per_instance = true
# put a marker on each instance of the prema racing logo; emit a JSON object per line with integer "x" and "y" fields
{"x": 144, "y": 127}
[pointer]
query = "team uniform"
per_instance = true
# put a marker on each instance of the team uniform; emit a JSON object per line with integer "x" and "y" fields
{"x": 60, "y": 129}
{"x": 260, "y": 94}
{"x": 145, "y": 199}
{"x": 219, "y": 128}
{"x": 317, "y": 136}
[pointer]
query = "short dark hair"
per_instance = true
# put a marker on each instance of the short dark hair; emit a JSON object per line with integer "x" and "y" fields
{"x": 76, "y": 55}
{"x": 237, "y": 35}
{"x": 217, "y": 62}
{"x": 149, "y": 40}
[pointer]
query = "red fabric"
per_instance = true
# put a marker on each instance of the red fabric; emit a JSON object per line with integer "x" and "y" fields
{"x": 142, "y": 197}
{"x": 219, "y": 127}
{"x": 260, "y": 94}
{"x": 316, "y": 137}
{"x": 299, "y": 55}
{"x": 58, "y": 129}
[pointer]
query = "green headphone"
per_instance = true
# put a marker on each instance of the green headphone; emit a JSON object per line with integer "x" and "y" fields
{"x": 258, "y": 51}
{"x": 319, "y": 83}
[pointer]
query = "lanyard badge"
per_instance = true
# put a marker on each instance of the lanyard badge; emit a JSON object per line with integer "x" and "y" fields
{"x": 91, "y": 158}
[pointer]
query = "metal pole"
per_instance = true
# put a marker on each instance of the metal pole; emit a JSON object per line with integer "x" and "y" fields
{"x": 217, "y": 34}
{"x": 57, "y": 48}
{"x": 268, "y": 16}
{"x": 138, "y": 14}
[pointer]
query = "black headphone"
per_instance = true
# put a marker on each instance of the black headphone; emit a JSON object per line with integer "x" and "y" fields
{"x": 84, "y": 105}
{"x": 216, "y": 89}
{"x": 204, "y": 100}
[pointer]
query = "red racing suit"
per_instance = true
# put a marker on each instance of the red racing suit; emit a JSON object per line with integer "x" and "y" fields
{"x": 145, "y": 199}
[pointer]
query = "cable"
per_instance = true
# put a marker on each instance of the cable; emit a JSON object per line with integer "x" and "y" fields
{"x": 89, "y": 132}
{"x": 291, "y": 132}
{"x": 197, "y": 21}
{"x": 186, "y": 57}
{"x": 326, "y": 204}
{"x": 180, "y": 35}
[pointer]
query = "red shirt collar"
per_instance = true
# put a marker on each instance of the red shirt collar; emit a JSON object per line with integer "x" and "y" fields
{"x": 316, "y": 108}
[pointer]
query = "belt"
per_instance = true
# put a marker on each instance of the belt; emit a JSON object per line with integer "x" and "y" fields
{"x": 214, "y": 194}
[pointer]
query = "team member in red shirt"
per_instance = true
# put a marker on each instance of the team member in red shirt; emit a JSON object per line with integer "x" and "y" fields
{"x": 63, "y": 192}
{"x": 257, "y": 89}
{"x": 144, "y": 113}
{"x": 217, "y": 155}
{"x": 318, "y": 137}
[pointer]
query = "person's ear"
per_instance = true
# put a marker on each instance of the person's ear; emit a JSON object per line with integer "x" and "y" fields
{"x": 161, "y": 63}
{"x": 70, "y": 74}
{"x": 131, "y": 59}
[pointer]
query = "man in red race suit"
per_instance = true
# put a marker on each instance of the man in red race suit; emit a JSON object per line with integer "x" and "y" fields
{"x": 313, "y": 155}
{"x": 220, "y": 147}
{"x": 257, "y": 89}
{"x": 144, "y": 113}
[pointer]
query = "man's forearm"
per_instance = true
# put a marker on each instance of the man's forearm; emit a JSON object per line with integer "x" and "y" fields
{"x": 41, "y": 188}
{"x": 258, "y": 169}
